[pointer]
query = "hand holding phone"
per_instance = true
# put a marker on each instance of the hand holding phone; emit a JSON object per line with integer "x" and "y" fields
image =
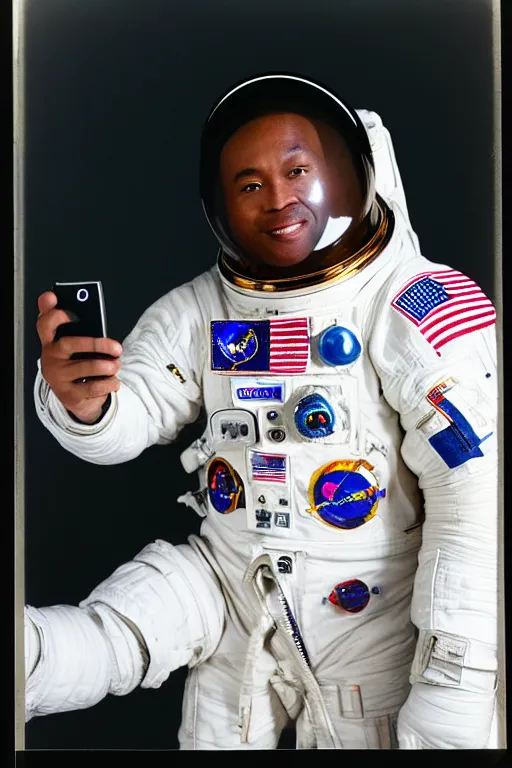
{"x": 78, "y": 361}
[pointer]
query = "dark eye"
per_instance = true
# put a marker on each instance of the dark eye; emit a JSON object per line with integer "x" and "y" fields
{"x": 297, "y": 171}
{"x": 252, "y": 187}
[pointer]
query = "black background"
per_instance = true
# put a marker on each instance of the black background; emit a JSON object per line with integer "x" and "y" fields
{"x": 116, "y": 93}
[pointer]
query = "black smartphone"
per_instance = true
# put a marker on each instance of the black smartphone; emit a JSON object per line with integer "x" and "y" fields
{"x": 85, "y": 304}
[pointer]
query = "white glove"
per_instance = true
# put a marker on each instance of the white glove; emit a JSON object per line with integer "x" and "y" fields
{"x": 437, "y": 717}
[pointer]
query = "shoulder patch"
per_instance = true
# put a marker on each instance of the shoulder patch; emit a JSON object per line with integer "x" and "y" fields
{"x": 444, "y": 305}
{"x": 457, "y": 442}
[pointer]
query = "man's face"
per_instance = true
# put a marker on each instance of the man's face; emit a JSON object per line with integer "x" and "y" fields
{"x": 283, "y": 176}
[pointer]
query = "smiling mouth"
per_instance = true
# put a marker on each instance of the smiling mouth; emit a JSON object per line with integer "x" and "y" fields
{"x": 288, "y": 232}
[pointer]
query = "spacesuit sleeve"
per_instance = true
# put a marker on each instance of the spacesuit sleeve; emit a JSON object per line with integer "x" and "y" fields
{"x": 433, "y": 345}
{"x": 160, "y": 391}
{"x": 162, "y": 610}
{"x": 74, "y": 657}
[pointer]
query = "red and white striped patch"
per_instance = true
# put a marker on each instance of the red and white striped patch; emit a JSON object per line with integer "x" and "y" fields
{"x": 289, "y": 345}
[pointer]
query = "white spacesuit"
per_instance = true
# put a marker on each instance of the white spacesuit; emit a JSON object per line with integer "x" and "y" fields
{"x": 349, "y": 466}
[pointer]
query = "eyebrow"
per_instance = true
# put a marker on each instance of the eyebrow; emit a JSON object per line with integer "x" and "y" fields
{"x": 254, "y": 171}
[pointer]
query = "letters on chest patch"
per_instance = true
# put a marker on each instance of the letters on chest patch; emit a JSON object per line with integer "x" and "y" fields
{"x": 252, "y": 390}
{"x": 278, "y": 346}
{"x": 443, "y": 306}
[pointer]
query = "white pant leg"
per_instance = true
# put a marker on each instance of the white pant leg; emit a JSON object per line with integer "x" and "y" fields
{"x": 212, "y": 695}
{"x": 211, "y": 707}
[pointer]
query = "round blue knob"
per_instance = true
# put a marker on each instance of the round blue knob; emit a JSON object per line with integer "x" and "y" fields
{"x": 338, "y": 346}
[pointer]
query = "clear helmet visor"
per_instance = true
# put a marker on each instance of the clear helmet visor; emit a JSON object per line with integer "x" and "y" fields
{"x": 286, "y": 171}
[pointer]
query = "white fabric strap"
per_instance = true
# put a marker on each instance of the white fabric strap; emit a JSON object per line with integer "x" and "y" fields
{"x": 283, "y": 647}
{"x": 256, "y": 643}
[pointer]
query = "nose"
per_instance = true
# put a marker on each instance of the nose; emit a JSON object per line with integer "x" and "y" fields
{"x": 279, "y": 196}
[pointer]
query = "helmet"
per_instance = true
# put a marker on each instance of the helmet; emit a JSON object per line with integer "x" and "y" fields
{"x": 340, "y": 202}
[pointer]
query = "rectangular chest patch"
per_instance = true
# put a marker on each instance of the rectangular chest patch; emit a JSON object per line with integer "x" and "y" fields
{"x": 268, "y": 467}
{"x": 277, "y": 346}
{"x": 458, "y": 442}
{"x": 257, "y": 390}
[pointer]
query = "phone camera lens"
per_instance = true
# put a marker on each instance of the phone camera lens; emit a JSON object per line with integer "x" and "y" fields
{"x": 82, "y": 294}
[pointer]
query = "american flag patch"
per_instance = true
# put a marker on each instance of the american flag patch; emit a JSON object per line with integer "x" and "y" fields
{"x": 444, "y": 305}
{"x": 279, "y": 346}
{"x": 289, "y": 345}
{"x": 268, "y": 467}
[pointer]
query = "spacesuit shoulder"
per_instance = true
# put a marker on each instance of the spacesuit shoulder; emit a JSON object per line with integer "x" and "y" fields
{"x": 409, "y": 269}
{"x": 179, "y": 308}
{"x": 428, "y": 321}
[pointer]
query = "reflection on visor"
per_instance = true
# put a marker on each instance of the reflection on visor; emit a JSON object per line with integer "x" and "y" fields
{"x": 334, "y": 230}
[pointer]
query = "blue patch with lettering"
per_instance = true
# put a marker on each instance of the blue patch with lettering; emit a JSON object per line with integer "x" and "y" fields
{"x": 274, "y": 393}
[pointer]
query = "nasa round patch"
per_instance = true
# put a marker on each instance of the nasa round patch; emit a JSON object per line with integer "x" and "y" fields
{"x": 344, "y": 493}
{"x": 225, "y": 487}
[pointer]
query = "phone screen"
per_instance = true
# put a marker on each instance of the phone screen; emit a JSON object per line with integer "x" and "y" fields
{"x": 84, "y": 303}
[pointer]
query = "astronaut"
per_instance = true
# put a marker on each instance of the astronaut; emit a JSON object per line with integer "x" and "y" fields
{"x": 345, "y": 575}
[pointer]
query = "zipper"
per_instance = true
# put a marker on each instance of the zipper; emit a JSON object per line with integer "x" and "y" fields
{"x": 318, "y": 714}
{"x": 292, "y": 628}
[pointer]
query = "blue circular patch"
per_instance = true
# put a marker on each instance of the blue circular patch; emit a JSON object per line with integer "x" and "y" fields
{"x": 344, "y": 493}
{"x": 314, "y": 417}
{"x": 338, "y": 346}
{"x": 352, "y": 596}
{"x": 237, "y": 342}
{"x": 225, "y": 488}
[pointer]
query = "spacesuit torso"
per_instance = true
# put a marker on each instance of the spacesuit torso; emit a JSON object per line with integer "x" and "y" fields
{"x": 259, "y": 427}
